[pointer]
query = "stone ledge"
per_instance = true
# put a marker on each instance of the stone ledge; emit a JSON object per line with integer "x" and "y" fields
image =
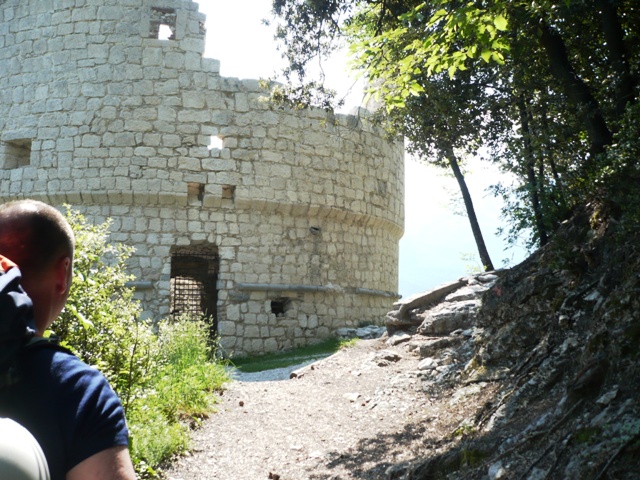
{"x": 167, "y": 199}
{"x": 263, "y": 287}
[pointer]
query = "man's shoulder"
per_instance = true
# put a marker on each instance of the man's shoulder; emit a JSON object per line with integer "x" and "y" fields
{"x": 56, "y": 365}
{"x": 45, "y": 353}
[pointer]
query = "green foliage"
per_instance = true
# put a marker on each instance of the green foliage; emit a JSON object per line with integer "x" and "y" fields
{"x": 587, "y": 434}
{"x": 166, "y": 380}
{"x": 464, "y": 430}
{"x": 176, "y": 394}
{"x": 617, "y": 176}
{"x": 186, "y": 376}
{"x": 472, "y": 265}
{"x": 301, "y": 96}
{"x": 350, "y": 343}
{"x": 471, "y": 457}
{"x": 426, "y": 39}
{"x": 545, "y": 87}
{"x": 100, "y": 321}
{"x": 154, "y": 440}
{"x": 300, "y": 50}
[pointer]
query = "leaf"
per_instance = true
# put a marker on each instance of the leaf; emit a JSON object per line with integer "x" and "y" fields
{"x": 486, "y": 55}
{"x": 440, "y": 13}
{"x": 501, "y": 23}
{"x": 86, "y": 324}
{"x": 416, "y": 89}
{"x": 498, "y": 57}
{"x": 500, "y": 44}
{"x": 492, "y": 31}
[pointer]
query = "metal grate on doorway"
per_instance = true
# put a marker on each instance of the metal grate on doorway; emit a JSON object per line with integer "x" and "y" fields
{"x": 194, "y": 275}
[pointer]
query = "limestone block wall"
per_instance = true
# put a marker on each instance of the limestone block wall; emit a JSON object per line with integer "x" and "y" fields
{"x": 110, "y": 106}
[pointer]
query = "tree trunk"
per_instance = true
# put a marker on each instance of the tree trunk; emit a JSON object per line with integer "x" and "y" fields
{"x": 549, "y": 150}
{"x": 530, "y": 163}
{"x": 471, "y": 213}
{"x": 614, "y": 36}
{"x": 556, "y": 192}
{"x": 576, "y": 90}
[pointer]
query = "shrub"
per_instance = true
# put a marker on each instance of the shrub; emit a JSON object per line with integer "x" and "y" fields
{"x": 177, "y": 394}
{"x": 100, "y": 321}
{"x": 187, "y": 376}
{"x": 166, "y": 380}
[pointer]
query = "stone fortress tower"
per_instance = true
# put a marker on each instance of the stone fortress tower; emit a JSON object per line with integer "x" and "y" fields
{"x": 282, "y": 225}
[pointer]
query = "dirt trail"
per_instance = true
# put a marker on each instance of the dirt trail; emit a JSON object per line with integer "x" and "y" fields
{"x": 350, "y": 416}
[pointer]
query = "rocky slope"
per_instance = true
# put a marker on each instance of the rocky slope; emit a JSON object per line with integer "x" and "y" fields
{"x": 558, "y": 338}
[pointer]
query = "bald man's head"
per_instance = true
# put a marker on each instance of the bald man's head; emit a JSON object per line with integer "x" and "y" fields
{"x": 34, "y": 235}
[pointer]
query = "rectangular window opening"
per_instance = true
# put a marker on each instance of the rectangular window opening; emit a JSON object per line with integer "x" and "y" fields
{"x": 195, "y": 193}
{"x": 279, "y": 306}
{"x": 163, "y": 23}
{"x": 165, "y": 33}
{"x": 16, "y": 153}
{"x": 216, "y": 142}
{"x": 229, "y": 191}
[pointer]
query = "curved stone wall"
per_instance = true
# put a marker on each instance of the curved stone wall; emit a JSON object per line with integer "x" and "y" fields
{"x": 303, "y": 209}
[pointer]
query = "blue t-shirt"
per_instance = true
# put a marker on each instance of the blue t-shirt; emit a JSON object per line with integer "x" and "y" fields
{"x": 68, "y": 406}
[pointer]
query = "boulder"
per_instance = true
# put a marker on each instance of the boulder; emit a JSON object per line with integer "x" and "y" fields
{"x": 445, "y": 318}
{"x": 431, "y": 346}
{"x": 364, "y": 333}
{"x": 469, "y": 292}
{"x": 400, "y": 318}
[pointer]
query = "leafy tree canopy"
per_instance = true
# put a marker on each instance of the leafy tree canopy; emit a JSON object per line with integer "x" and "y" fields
{"x": 544, "y": 86}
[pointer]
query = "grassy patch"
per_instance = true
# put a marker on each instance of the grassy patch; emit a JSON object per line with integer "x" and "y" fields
{"x": 177, "y": 391}
{"x": 293, "y": 357}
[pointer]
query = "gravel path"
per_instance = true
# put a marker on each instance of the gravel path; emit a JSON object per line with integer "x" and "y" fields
{"x": 340, "y": 419}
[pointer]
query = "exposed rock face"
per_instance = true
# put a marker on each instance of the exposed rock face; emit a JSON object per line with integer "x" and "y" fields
{"x": 448, "y": 317}
{"x": 454, "y": 304}
{"x": 442, "y": 309}
{"x": 558, "y": 335}
{"x": 439, "y": 325}
{"x": 370, "y": 331}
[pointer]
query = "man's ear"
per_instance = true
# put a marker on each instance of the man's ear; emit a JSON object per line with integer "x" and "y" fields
{"x": 63, "y": 277}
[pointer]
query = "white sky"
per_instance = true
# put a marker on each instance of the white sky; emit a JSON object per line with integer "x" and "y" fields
{"x": 435, "y": 239}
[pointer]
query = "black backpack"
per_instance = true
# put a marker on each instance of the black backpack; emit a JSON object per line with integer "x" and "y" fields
{"x": 17, "y": 326}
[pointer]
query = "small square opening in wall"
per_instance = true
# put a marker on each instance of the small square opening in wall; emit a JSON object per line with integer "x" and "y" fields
{"x": 163, "y": 23}
{"x": 215, "y": 142}
{"x": 229, "y": 191}
{"x": 195, "y": 193}
{"x": 16, "y": 153}
{"x": 279, "y": 306}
